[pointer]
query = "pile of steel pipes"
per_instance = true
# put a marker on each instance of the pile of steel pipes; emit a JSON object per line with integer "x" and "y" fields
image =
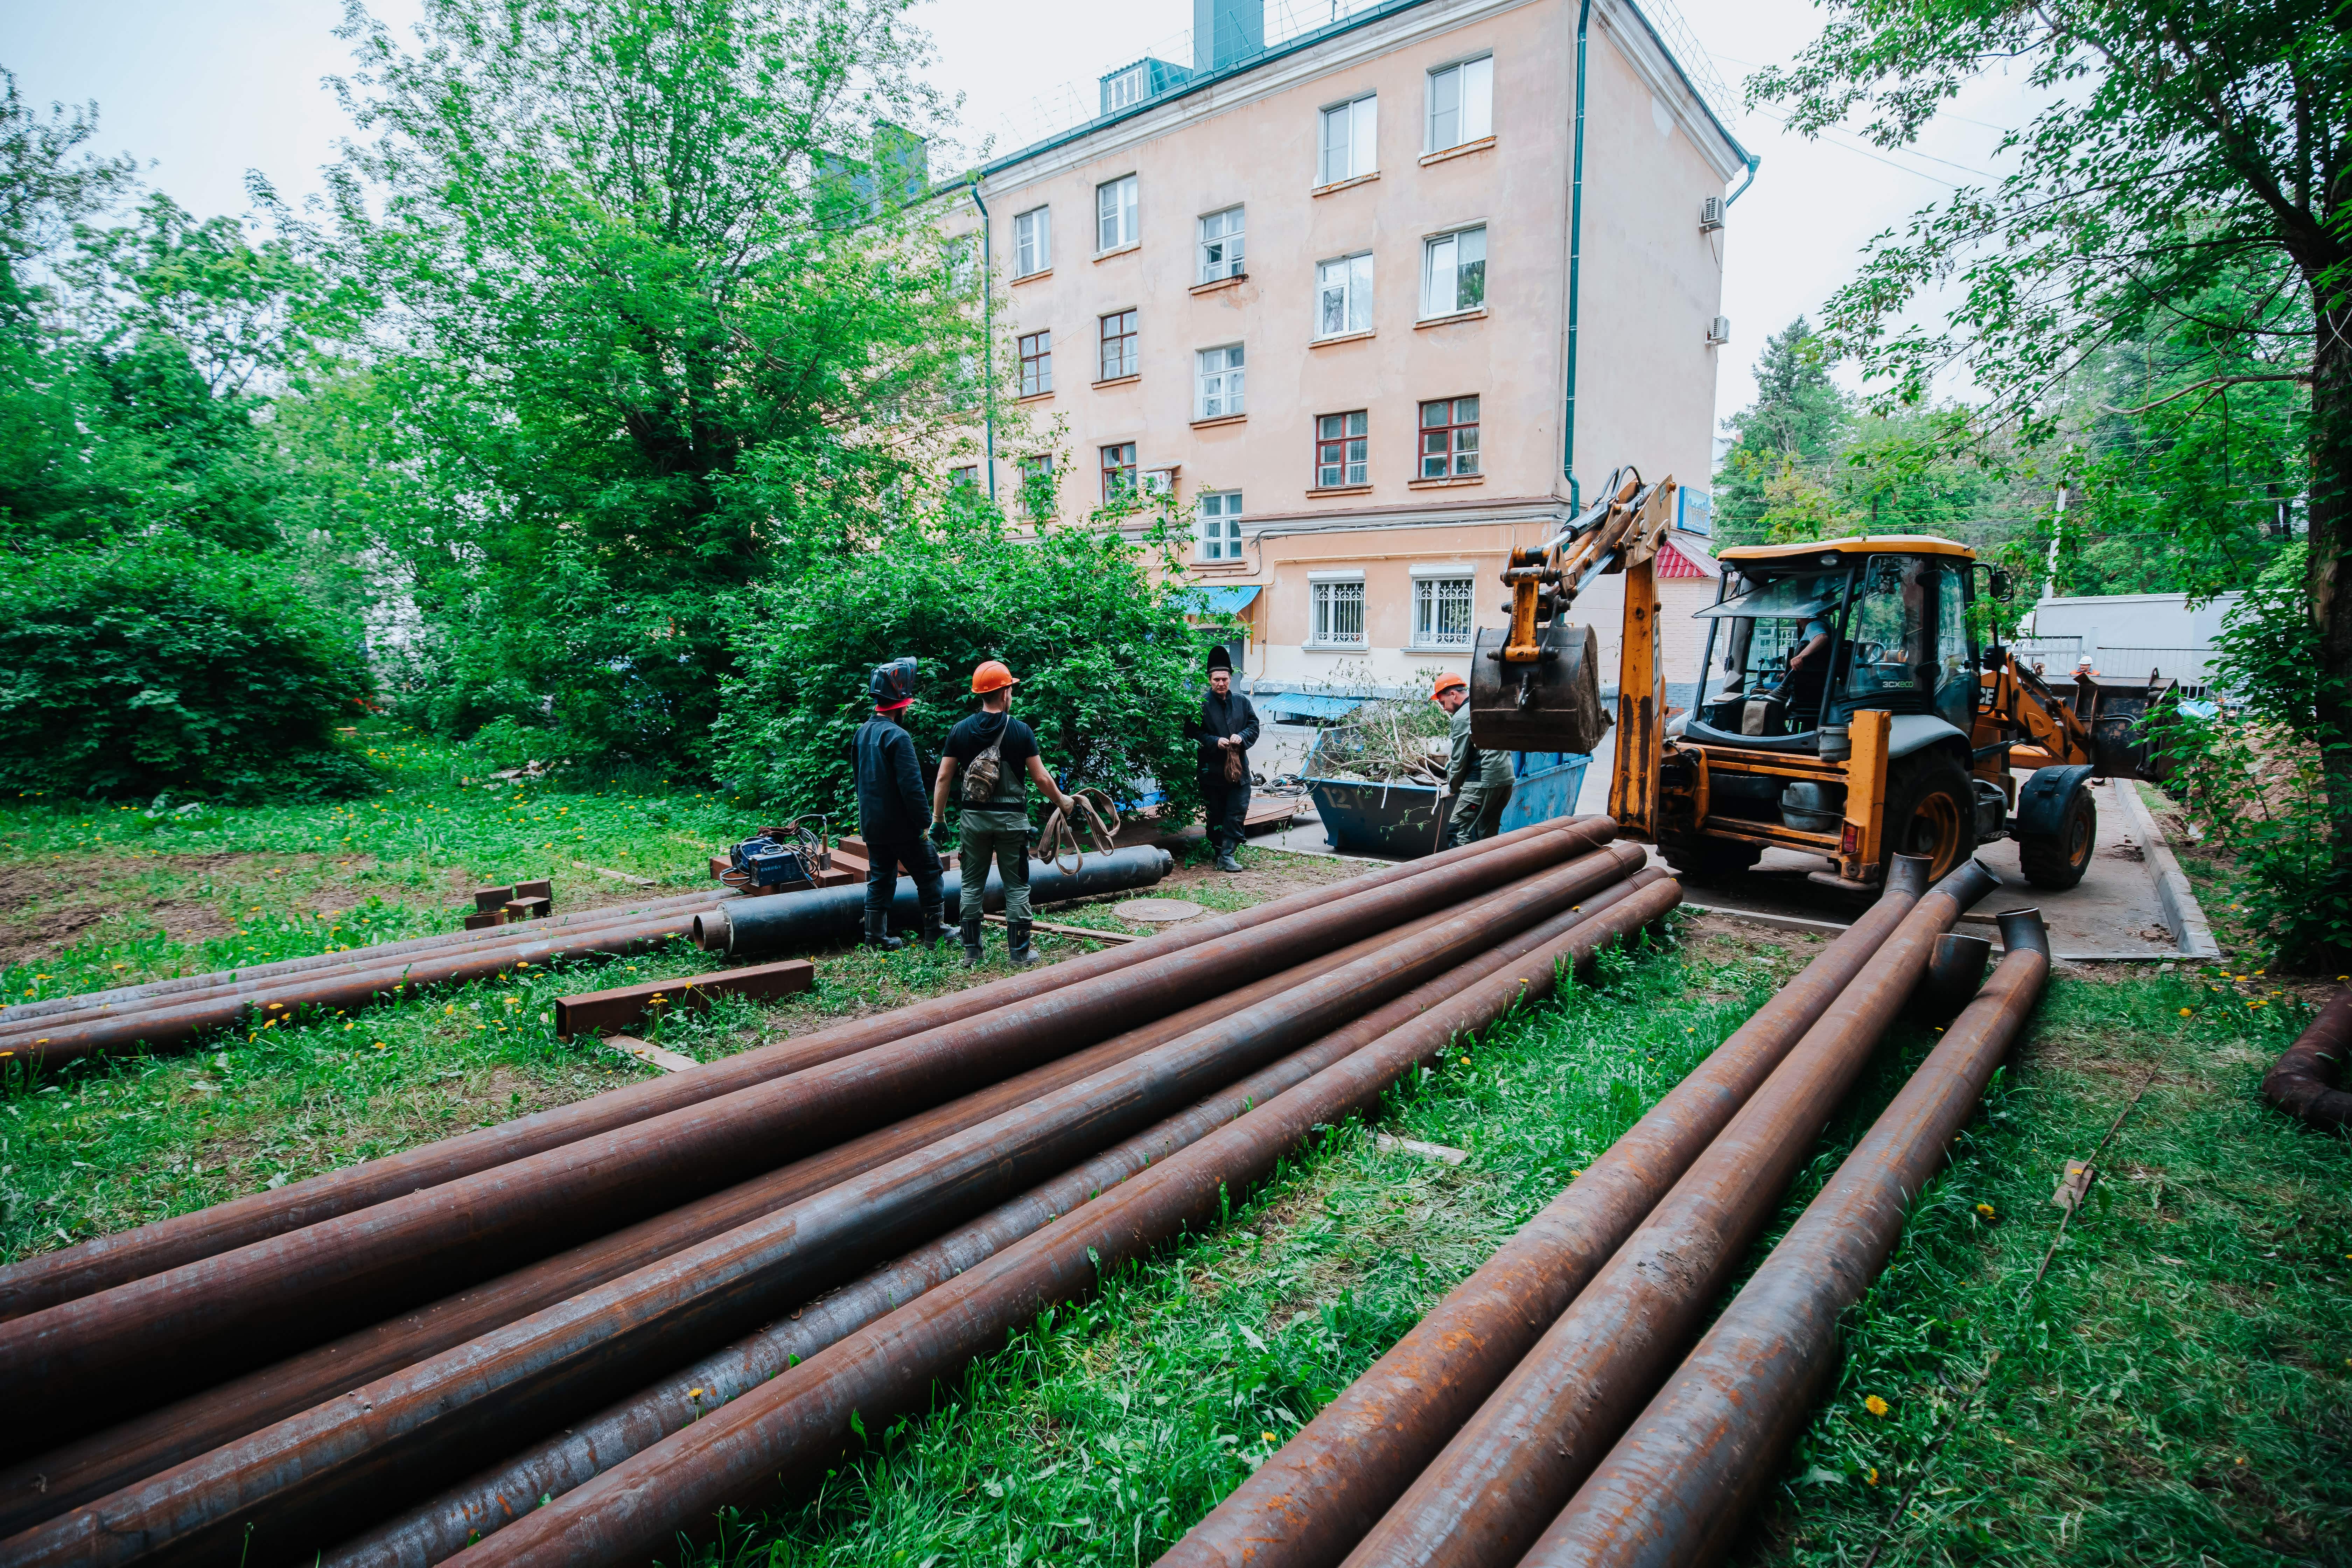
{"x": 565, "y": 1339}
{"x": 1551, "y": 1410}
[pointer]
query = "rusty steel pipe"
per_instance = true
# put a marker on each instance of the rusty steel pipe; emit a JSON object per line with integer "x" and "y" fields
{"x": 444, "y": 1524}
{"x": 1955, "y": 972}
{"x": 45, "y": 1280}
{"x": 2303, "y": 1081}
{"x": 636, "y": 1508}
{"x": 547, "y": 1369}
{"x": 77, "y": 1471}
{"x": 227, "y": 1310}
{"x": 1308, "y": 1504}
{"x": 1506, "y": 1473}
{"x": 1674, "y": 1490}
{"x": 17, "y": 1019}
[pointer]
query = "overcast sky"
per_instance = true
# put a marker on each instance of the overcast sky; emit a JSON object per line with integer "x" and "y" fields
{"x": 207, "y": 89}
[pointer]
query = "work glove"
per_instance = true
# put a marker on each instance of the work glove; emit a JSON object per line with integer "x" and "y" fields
{"x": 942, "y": 839}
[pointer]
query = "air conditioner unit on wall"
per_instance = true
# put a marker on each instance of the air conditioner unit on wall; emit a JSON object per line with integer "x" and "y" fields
{"x": 1718, "y": 332}
{"x": 1711, "y": 214}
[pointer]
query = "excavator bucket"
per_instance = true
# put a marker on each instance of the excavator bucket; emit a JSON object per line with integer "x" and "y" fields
{"x": 1550, "y": 705}
{"x": 2115, "y": 709}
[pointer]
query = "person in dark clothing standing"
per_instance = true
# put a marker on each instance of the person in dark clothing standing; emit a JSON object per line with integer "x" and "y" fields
{"x": 997, "y": 755}
{"x": 1226, "y": 731}
{"x": 891, "y": 810}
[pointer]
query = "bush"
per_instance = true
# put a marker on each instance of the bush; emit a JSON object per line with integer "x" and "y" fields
{"x": 162, "y": 664}
{"x": 1110, "y": 672}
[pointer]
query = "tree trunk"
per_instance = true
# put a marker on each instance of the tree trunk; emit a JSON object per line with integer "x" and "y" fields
{"x": 2330, "y": 567}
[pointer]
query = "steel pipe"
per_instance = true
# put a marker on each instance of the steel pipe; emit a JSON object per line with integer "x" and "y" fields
{"x": 2303, "y": 1081}
{"x": 786, "y": 1424}
{"x": 1316, "y": 1498}
{"x": 147, "y": 1339}
{"x": 1514, "y": 1464}
{"x": 546, "y": 1370}
{"x": 77, "y": 1471}
{"x": 45, "y": 1280}
{"x": 1674, "y": 1489}
{"x": 788, "y": 922}
{"x": 1955, "y": 971}
{"x": 448, "y": 1522}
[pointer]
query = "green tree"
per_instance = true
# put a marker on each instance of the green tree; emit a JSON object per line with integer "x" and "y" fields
{"x": 1795, "y": 426}
{"x": 2182, "y": 148}
{"x": 653, "y": 292}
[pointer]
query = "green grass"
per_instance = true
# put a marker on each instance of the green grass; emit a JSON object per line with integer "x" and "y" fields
{"x": 2195, "y": 1314}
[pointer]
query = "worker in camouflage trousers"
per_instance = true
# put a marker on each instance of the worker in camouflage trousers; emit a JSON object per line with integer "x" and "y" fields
{"x": 891, "y": 810}
{"x": 997, "y": 756}
{"x": 1225, "y": 731}
{"x": 1479, "y": 779}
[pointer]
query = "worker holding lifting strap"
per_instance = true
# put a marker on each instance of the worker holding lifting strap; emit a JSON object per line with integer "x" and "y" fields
{"x": 1482, "y": 778}
{"x": 993, "y": 751}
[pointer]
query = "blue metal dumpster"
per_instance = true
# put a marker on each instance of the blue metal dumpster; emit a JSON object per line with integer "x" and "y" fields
{"x": 1546, "y": 786}
{"x": 1402, "y": 820}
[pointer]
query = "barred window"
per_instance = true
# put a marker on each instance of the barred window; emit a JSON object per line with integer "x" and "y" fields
{"x": 1339, "y": 614}
{"x": 1441, "y": 612}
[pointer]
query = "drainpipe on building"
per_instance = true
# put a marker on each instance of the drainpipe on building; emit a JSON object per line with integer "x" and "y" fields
{"x": 1575, "y": 268}
{"x": 988, "y": 333}
{"x": 1753, "y": 162}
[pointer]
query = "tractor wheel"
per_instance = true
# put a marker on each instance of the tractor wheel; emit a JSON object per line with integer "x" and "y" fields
{"x": 1711, "y": 859}
{"x": 2057, "y": 860}
{"x": 1930, "y": 811}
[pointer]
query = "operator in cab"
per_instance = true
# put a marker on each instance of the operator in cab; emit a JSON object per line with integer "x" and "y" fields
{"x": 1479, "y": 779}
{"x": 891, "y": 810}
{"x": 997, "y": 756}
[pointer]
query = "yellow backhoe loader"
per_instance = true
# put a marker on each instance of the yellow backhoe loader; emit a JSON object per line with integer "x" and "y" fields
{"x": 1846, "y": 704}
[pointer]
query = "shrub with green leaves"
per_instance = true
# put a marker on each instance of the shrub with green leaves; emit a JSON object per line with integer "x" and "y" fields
{"x": 1109, "y": 668}
{"x": 163, "y": 664}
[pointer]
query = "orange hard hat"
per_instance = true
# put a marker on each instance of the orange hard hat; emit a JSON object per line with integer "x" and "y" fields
{"x": 992, "y": 676}
{"x": 1446, "y": 683}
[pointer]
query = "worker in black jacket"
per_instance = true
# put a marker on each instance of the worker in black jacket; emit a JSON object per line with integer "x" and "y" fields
{"x": 893, "y": 811}
{"x": 1226, "y": 731}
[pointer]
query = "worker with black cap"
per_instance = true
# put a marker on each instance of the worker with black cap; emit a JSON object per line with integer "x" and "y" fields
{"x": 891, "y": 810}
{"x": 1226, "y": 731}
{"x": 997, "y": 755}
{"x": 1480, "y": 780}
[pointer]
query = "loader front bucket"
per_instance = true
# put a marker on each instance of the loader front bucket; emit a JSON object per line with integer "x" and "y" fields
{"x": 1550, "y": 705}
{"x": 2115, "y": 709}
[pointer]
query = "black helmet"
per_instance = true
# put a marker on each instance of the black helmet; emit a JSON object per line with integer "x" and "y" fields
{"x": 1220, "y": 658}
{"x": 893, "y": 683}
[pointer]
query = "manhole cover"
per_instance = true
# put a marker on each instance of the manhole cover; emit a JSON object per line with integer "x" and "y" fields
{"x": 1153, "y": 911}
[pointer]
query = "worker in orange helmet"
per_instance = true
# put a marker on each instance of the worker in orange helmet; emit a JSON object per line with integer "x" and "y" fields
{"x": 997, "y": 755}
{"x": 1479, "y": 781}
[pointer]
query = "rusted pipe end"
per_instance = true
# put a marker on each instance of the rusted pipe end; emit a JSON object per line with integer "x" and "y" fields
{"x": 1908, "y": 875}
{"x": 1953, "y": 972}
{"x": 1967, "y": 884}
{"x": 2303, "y": 1083}
{"x": 713, "y": 931}
{"x": 2023, "y": 930}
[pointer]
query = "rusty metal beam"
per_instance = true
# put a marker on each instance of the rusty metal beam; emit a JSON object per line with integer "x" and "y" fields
{"x": 2304, "y": 1081}
{"x": 1677, "y": 1485}
{"x": 624, "y": 1006}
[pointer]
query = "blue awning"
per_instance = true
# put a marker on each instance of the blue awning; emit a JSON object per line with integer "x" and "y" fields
{"x": 1229, "y": 600}
{"x": 1303, "y": 705}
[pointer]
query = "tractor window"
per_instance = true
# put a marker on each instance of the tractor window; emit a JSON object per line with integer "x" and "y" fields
{"x": 1769, "y": 654}
{"x": 1891, "y": 634}
{"x": 1956, "y": 674}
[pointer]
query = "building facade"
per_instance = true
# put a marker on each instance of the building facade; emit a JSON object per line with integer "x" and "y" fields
{"x": 1321, "y": 294}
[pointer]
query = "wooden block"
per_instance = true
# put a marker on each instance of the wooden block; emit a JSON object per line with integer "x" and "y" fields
{"x": 851, "y": 844}
{"x": 624, "y": 1006}
{"x": 542, "y": 889}
{"x": 488, "y": 898}
{"x": 482, "y": 919}
{"x": 721, "y": 865}
{"x": 840, "y": 877}
{"x": 1116, "y": 938}
{"x": 529, "y": 909}
{"x": 652, "y": 1055}
{"x": 1437, "y": 1151}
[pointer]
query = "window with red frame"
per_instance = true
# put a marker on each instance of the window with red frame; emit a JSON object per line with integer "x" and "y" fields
{"x": 1118, "y": 345}
{"x": 1036, "y": 363}
{"x": 1119, "y": 470}
{"x": 1449, "y": 439}
{"x": 1342, "y": 450}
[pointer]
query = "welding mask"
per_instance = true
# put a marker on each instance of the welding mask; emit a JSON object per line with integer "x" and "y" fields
{"x": 893, "y": 683}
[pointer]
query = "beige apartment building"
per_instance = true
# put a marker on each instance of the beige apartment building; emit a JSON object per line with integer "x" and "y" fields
{"x": 1327, "y": 291}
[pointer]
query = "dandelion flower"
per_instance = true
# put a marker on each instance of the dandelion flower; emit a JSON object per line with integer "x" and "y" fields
{"x": 1986, "y": 1210}
{"x": 1466, "y": 1061}
{"x": 1871, "y": 1474}
{"x": 1268, "y": 1436}
{"x": 1876, "y": 1405}
{"x": 2185, "y": 1012}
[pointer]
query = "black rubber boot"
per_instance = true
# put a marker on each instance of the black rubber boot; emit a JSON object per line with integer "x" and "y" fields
{"x": 1225, "y": 861}
{"x": 878, "y": 931}
{"x": 1016, "y": 943}
{"x": 972, "y": 929}
{"x": 934, "y": 928}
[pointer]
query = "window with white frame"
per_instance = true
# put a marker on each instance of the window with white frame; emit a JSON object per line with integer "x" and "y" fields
{"x": 1343, "y": 449}
{"x": 963, "y": 264}
{"x": 1221, "y": 525}
{"x": 1115, "y": 213}
{"x": 1461, "y": 103}
{"x": 1339, "y": 613}
{"x": 1441, "y": 612}
{"x": 1454, "y": 272}
{"x": 1221, "y": 245}
{"x": 1129, "y": 88}
{"x": 1220, "y": 381}
{"x": 1033, "y": 241}
{"x": 1343, "y": 295}
{"x": 1350, "y": 141}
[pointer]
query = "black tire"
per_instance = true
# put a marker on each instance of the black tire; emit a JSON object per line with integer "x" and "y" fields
{"x": 2057, "y": 860}
{"x": 1711, "y": 859}
{"x": 1930, "y": 810}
